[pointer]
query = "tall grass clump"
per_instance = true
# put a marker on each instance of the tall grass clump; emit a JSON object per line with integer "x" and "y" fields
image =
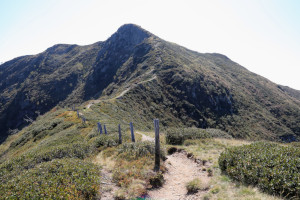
{"x": 133, "y": 151}
{"x": 271, "y": 167}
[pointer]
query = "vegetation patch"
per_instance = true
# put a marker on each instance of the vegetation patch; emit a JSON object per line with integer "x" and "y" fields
{"x": 58, "y": 179}
{"x": 194, "y": 186}
{"x": 133, "y": 169}
{"x": 30, "y": 160}
{"x": 176, "y": 136}
{"x": 271, "y": 167}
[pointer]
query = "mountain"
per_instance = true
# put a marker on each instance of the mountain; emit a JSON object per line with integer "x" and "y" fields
{"x": 148, "y": 78}
{"x": 290, "y": 91}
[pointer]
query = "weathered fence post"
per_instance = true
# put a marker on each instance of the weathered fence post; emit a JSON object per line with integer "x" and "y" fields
{"x": 132, "y": 133}
{"x": 99, "y": 128}
{"x": 157, "y": 145}
{"x": 120, "y": 134}
{"x": 78, "y": 114}
{"x": 73, "y": 108}
{"x": 105, "y": 131}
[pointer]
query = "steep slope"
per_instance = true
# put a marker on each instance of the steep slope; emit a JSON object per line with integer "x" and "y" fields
{"x": 148, "y": 78}
{"x": 62, "y": 75}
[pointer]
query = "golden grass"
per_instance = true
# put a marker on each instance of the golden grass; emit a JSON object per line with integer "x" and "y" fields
{"x": 102, "y": 160}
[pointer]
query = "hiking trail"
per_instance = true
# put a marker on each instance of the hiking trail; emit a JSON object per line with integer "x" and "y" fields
{"x": 180, "y": 170}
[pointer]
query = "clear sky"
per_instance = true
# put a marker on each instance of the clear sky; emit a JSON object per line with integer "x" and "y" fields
{"x": 261, "y": 35}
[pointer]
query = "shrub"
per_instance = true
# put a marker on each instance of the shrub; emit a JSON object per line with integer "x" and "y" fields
{"x": 271, "y": 167}
{"x": 58, "y": 179}
{"x": 176, "y": 136}
{"x": 193, "y": 186}
{"x": 106, "y": 141}
{"x": 217, "y": 133}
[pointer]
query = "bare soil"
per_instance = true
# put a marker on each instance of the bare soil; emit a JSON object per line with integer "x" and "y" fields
{"x": 181, "y": 170}
{"x": 108, "y": 187}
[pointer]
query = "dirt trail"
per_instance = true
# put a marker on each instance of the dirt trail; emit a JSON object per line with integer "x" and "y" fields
{"x": 146, "y": 137}
{"x": 180, "y": 170}
{"x": 108, "y": 187}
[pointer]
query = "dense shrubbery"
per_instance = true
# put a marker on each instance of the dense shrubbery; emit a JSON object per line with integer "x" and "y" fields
{"x": 58, "y": 179}
{"x": 177, "y": 136}
{"x": 31, "y": 159}
{"x": 273, "y": 168}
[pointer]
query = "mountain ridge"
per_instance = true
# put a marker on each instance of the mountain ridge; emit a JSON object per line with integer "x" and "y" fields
{"x": 194, "y": 89}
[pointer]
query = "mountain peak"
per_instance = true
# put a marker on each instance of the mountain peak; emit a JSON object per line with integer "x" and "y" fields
{"x": 131, "y": 33}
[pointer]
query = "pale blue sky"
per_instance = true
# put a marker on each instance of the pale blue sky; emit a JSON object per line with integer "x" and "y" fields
{"x": 261, "y": 35}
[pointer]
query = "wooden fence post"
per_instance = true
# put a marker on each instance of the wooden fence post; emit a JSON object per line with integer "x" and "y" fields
{"x": 105, "y": 131}
{"x": 120, "y": 134}
{"x": 78, "y": 114}
{"x": 157, "y": 145}
{"x": 99, "y": 128}
{"x": 132, "y": 133}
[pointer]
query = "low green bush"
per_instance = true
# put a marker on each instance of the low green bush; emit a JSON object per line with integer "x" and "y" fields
{"x": 39, "y": 155}
{"x": 271, "y": 167}
{"x": 58, "y": 179}
{"x": 176, "y": 136}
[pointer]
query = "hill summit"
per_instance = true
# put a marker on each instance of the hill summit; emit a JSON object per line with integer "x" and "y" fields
{"x": 148, "y": 78}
